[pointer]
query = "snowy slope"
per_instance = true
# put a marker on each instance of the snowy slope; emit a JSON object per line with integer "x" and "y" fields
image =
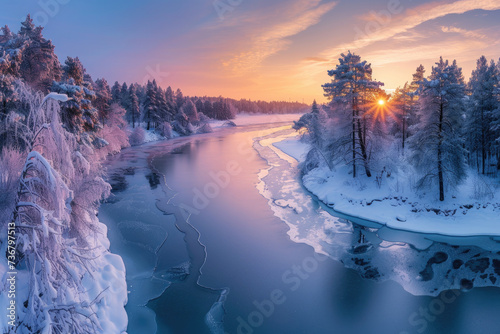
{"x": 395, "y": 205}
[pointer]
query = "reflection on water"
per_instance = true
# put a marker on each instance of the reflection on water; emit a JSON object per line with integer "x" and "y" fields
{"x": 200, "y": 242}
{"x": 421, "y": 266}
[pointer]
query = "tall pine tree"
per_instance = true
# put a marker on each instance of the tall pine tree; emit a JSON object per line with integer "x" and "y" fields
{"x": 437, "y": 146}
{"x": 348, "y": 91}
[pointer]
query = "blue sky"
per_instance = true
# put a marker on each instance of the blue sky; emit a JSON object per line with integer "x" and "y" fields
{"x": 259, "y": 49}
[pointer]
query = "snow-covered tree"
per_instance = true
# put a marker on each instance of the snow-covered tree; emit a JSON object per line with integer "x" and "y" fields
{"x": 39, "y": 65}
{"x": 78, "y": 114}
{"x": 405, "y": 103}
{"x": 7, "y": 94}
{"x": 495, "y": 123}
{"x": 73, "y": 69}
{"x": 124, "y": 98}
{"x": 113, "y": 134}
{"x": 103, "y": 99}
{"x": 116, "y": 92}
{"x": 350, "y": 92}
{"x": 200, "y": 106}
{"x": 480, "y": 112}
{"x": 316, "y": 123}
{"x": 53, "y": 215}
{"x": 208, "y": 109}
{"x": 134, "y": 110}
{"x": 150, "y": 105}
{"x": 189, "y": 109}
{"x": 164, "y": 113}
{"x": 179, "y": 98}
{"x": 437, "y": 146}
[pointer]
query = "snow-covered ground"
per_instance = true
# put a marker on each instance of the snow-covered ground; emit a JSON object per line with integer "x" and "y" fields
{"x": 474, "y": 210}
{"x": 255, "y": 119}
{"x": 217, "y": 125}
{"x": 415, "y": 261}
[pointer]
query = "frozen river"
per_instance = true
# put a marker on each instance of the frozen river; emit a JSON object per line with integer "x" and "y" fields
{"x": 218, "y": 236}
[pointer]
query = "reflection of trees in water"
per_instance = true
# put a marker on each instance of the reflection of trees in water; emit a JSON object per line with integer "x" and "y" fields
{"x": 421, "y": 272}
{"x": 440, "y": 267}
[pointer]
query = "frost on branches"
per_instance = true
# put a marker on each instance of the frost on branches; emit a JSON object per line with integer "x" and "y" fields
{"x": 72, "y": 284}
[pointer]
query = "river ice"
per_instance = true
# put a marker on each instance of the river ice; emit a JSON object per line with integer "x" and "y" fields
{"x": 421, "y": 265}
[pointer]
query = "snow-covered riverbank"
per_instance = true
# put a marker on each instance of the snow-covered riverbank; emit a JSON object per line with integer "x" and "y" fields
{"x": 392, "y": 205}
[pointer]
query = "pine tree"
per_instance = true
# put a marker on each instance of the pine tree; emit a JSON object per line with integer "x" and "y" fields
{"x": 150, "y": 105}
{"x": 199, "y": 106}
{"x": 481, "y": 106}
{"x": 116, "y": 92}
{"x": 171, "y": 104}
{"x": 437, "y": 146}
{"x": 408, "y": 104}
{"x": 208, "y": 109}
{"x": 73, "y": 69}
{"x": 78, "y": 114}
{"x": 179, "y": 98}
{"x": 134, "y": 105}
{"x": 163, "y": 114}
{"x": 316, "y": 124}
{"x": 7, "y": 95}
{"x": 418, "y": 78}
{"x": 103, "y": 99}
{"x": 124, "y": 98}
{"x": 495, "y": 123}
{"x": 39, "y": 65}
{"x": 349, "y": 92}
{"x": 189, "y": 109}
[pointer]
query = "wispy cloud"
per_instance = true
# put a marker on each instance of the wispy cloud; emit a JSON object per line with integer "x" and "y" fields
{"x": 464, "y": 32}
{"x": 299, "y": 17}
{"x": 400, "y": 28}
{"x": 413, "y": 18}
{"x": 421, "y": 53}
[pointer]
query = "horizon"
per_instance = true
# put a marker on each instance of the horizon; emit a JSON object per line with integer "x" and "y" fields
{"x": 278, "y": 51}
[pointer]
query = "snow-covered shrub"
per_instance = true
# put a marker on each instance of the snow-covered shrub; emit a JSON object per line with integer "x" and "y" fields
{"x": 229, "y": 124}
{"x": 312, "y": 161}
{"x": 11, "y": 163}
{"x": 165, "y": 130}
{"x": 42, "y": 217}
{"x": 203, "y": 118}
{"x": 189, "y": 109}
{"x": 60, "y": 240}
{"x": 483, "y": 188}
{"x": 205, "y": 128}
{"x": 190, "y": 129}
{"x": 138, "y": 136}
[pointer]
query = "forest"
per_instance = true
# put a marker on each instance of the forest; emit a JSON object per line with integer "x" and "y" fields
{"x": 437, "y": 130}
{"x": 57, "y": 126}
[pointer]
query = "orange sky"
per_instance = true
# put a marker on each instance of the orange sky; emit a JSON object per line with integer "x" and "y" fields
{"x": 261, "y": 49}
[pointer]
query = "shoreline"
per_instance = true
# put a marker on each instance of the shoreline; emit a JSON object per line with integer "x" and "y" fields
{"x": 393, "y": 215}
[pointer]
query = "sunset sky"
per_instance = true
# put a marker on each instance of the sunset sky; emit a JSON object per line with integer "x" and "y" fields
{"x": 261, "y": 49}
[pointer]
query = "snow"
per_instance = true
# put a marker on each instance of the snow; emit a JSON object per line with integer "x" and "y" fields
{"x": 244, "y": 119}
{"x": 56, "y": 96}
{"x": 152, "y": 136}
{"x": 108, "y": 285}
{"x": 392, "y": 204}
{"x": 294, "y": 148}
{"x": 376, "y": 252}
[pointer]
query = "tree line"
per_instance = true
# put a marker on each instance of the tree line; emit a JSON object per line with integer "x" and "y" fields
{"x": 29, "y": 57}
{"x": 440, "y": 124}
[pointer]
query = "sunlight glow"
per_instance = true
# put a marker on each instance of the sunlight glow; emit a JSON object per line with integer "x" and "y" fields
{"x": 381, "y": 102}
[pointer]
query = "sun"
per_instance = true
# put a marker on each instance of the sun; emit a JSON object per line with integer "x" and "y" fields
{"x": 381, "y": 102}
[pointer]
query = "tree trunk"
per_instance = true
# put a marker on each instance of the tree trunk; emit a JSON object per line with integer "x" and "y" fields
{"x": 362, "y": 145}
{"x": 439, "y": 155}
{"x": 353, "y": 144}
{"x": 404, "y": 126}
{"x": 483, "y": 142}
